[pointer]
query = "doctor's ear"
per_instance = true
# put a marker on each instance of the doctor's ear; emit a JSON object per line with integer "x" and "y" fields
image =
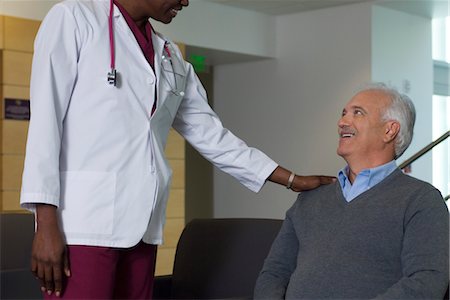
{"x": 392, "y": 128}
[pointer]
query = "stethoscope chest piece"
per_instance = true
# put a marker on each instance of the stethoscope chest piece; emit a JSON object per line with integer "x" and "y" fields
{"x": 112, "y": 77}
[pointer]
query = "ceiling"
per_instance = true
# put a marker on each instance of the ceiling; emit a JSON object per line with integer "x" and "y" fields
{"x": 281, "y": 7}
{"x": 426, "y": 8}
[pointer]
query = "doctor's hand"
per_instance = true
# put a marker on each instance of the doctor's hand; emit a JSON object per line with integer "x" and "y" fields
{"x": 304, "y": 183}
{"x": 49, "y": 254}
{"x": 298, "y": 183}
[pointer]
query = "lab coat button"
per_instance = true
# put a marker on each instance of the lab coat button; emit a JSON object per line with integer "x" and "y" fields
{"x": 181, "y": 94}
{"x": 150, "y": 80}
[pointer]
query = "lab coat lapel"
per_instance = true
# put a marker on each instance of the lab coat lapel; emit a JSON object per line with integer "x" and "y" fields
{"x": 121, "y": 25}
{"x": 158, "y": 47}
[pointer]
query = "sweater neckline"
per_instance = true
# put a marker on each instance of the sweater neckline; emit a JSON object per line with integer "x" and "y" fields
{"x": 367, "y": 194}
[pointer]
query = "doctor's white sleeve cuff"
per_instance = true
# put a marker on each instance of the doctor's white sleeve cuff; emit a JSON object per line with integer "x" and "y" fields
{"x": 257, "y": 185}
{"x": 29, "y": 200}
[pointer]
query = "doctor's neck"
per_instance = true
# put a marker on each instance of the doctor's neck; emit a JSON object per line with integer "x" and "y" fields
{"x": 136, "y": 12}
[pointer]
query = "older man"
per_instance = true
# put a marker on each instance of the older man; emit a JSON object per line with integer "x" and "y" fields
{"x": 376, "y": 233}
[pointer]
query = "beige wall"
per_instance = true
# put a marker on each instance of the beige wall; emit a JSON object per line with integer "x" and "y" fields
{"x": 16, "y": 47}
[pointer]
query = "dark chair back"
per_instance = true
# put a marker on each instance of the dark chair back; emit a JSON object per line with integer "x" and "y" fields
{"x": 17, "y": 281}
{"x": 221, "y": 258}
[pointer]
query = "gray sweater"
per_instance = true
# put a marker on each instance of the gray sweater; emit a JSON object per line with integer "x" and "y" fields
{"x": 390, "y": 242}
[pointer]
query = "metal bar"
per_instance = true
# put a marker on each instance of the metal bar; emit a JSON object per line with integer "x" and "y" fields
{"x": 424, "y": 150}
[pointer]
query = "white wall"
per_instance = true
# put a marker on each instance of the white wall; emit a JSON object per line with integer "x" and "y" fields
{"x": 202, "y": 24}
{"x": 401, "y": 54}
{"x": 289, "y": 107}
{"x": 214, "y": 26}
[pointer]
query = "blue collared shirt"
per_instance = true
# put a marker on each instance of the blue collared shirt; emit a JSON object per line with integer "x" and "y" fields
{"x": 365, "y": 180}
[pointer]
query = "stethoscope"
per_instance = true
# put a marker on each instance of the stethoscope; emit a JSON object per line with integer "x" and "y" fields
{"x": 170, "y": 64}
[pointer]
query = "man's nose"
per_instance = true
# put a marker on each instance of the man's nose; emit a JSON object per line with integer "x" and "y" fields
{"x": 343, "y": 121}
{"x": 184, "y": 2}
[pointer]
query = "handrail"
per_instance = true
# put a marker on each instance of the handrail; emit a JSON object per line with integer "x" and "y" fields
{"x": 424, "y": 150}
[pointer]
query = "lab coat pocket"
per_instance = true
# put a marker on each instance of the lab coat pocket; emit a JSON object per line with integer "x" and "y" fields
{"x": 87, "y": 202}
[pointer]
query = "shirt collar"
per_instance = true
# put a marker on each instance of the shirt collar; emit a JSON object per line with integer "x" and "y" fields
{"x": 374, "y": 175}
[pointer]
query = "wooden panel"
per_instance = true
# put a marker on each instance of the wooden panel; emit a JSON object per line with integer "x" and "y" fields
{"x": 175, "y": 145}
{"x": 2, "y": 35}
{"x": 11, "y": 201}
{"x": 16, "y": 67}
{"x": 19, "y": 33}
{"x": 175, "y": 206}
{"x": 1, "y": 96}
{"x": 1, "y": 66}
{"x": 172, "y": 232}
{"x": 2, "y": 170}
{"x": 182, "y": 48}
{"x": 178, "y": 179}
{"x": 12, "y": 171}
{"x": 164, "y": 261}
{"x": 16, "y": 92}
{"x": 14, "y": 136}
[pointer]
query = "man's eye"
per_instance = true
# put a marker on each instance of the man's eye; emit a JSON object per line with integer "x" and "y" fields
{"x": 358, "y": 112}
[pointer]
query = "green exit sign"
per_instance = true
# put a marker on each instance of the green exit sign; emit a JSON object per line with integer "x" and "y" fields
{"x": 198, "y": 62}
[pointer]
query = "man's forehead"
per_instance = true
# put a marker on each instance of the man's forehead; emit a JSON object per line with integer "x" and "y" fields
{"x": 370, "y": 99}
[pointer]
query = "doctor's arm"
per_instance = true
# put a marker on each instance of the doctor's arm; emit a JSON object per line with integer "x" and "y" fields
{"x": 53, "y": 76}
{"x": 49, "y": 258}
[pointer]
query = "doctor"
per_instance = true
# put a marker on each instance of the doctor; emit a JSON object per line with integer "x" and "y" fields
{"x": 105, "y": 89}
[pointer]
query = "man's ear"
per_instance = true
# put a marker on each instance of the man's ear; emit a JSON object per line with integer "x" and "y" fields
{"x": 392, "y": 128}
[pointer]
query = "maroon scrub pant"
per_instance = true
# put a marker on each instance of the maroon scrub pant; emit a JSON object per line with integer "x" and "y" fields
{"x": 109, "y": 273}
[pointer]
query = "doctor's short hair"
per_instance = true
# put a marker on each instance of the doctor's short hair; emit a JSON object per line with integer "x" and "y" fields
{"x": 401, "y": 109}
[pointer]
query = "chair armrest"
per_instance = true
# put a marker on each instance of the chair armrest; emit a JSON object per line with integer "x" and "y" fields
{"x": 162, "y": 286}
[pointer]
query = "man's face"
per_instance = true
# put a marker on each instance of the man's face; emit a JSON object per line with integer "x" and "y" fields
{"x": 164, "y": 10}
{"x": 361, "y": 128}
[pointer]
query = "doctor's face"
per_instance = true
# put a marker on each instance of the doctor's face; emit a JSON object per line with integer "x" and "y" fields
{"x": 164, "y": 10}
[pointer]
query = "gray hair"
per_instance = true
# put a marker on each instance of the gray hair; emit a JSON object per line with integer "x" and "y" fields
{"x": 401, "y": 110}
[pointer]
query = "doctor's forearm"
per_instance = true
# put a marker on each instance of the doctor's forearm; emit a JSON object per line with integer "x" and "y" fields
{"x": 280, "y": 175}
{"x": 46, "y": 216}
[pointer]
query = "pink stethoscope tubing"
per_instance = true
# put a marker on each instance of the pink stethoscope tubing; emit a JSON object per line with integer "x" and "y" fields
{"x": 111, "y": 34}
{"x": 112, "y": 75}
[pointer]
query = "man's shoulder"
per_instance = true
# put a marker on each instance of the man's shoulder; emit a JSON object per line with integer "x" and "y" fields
{"x": 405, "y": 183}
{"x": 411, "y": 192}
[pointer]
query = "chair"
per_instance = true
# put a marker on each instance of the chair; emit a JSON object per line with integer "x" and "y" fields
{"x": 218, "y": 258}
{"x": 17, "y": 281}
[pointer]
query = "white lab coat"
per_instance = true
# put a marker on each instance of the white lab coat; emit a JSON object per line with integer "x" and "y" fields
{"x": 94, "y": 150}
